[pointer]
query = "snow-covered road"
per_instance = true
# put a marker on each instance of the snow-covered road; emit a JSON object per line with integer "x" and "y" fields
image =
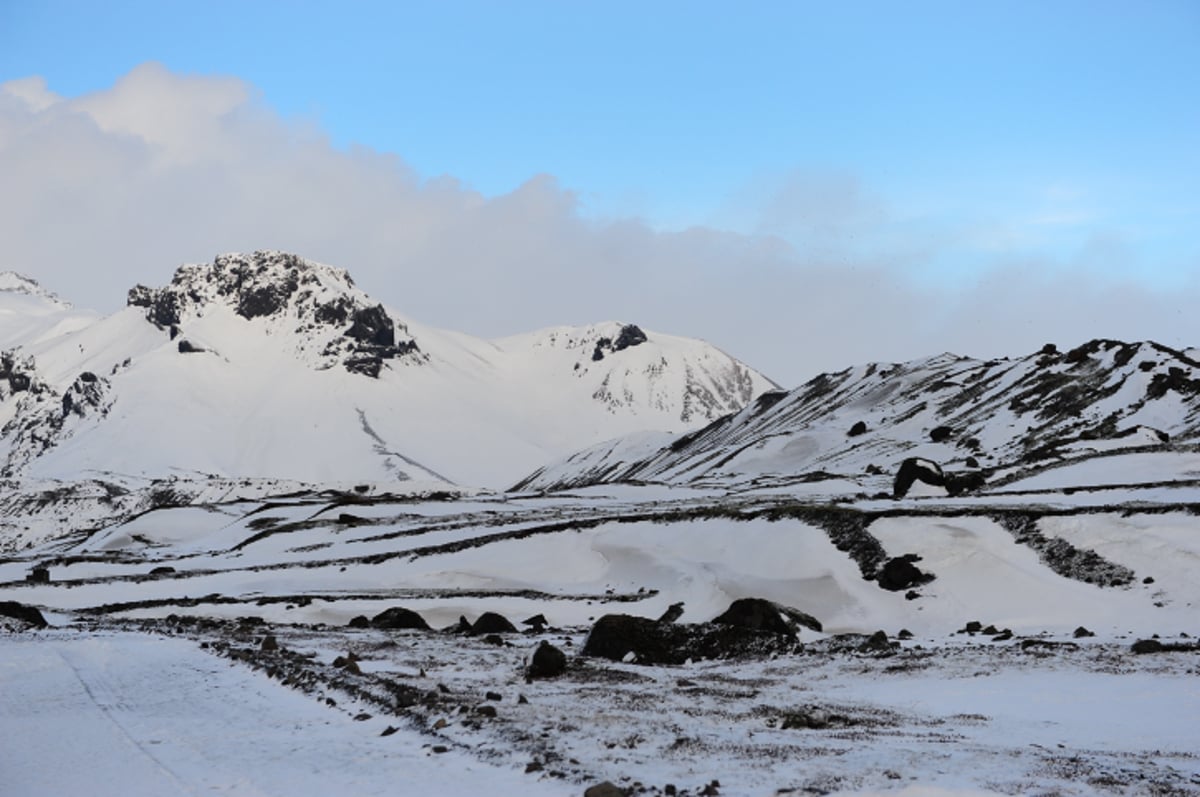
{"x": 130, "y": 715}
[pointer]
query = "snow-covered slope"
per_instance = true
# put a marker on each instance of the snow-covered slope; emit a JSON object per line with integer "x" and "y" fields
{"x": 29, "y": 312}
{"x": 996, "y": 418}
{"x": 268, "y": 365}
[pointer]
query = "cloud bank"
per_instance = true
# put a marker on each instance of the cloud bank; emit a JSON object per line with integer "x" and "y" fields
{"x": 123, "y": 185}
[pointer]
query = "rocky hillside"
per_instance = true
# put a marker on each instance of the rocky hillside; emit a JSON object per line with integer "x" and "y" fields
{"x": 997, "y": 418}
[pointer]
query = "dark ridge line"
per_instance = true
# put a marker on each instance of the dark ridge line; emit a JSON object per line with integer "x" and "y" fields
{"x": 216, "y": 599}
{"x": 803, "y": 512}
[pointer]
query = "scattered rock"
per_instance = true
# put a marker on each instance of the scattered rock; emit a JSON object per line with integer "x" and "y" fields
{"x": 38, "y": 575}
{"x": 900, "y": 573}
{"x": 973, "y": 627}
{"x": 163, "y": 570}
{"x": 537, "y": 622}
{"x": 916, "y": 469}
{"x": 757, "y": 614}
{"x": 857, "y": 429}
{"x": 389, "y": 730}
{"x": 494, "y": 639}
{"x": 605, "y": 789}
{"x": 673, "y": 613}
{"x": 1147, "y": 646}
{"x": 1082, "y": 632}
{"x": 360, "y": 621}
{"x": 547, "y": 662}
{"x": 492, "y": 623}
{"x": 940, "y": 434}
{"x": 622, "y": 637}
{"x": 904, "y": 634}
{"x": 1148, "y": 580}
{"x": 26, "y": 614}
{"x": 485, "y": 711}
{"x": 877, "y": 643}
{"x": 496, "y": 696}
{"x": 269, "y": 644}
{"x": 398, "y": 617}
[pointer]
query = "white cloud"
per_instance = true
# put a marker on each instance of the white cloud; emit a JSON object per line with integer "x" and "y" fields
{"x": 122, "y": 185}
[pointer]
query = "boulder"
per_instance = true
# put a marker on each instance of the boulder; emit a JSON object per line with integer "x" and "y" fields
{"x": 398, "y": 617}
{"x": 857, "y": 429}
{"x": 623, "y": 637}
{"x": 546, "y": 662}
{"x": 900, "y": 574}
{"x": 758, "y": 614}
{"x": 917, "y": 469}
{"x": 26, "y": 614}
{"x": 492, "y": 623}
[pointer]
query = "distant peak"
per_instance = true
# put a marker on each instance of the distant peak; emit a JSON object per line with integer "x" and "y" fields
{"x": 276, "y": 285}
{"x": 12, "y": 282}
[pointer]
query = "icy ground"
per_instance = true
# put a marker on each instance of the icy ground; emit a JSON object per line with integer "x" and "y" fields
{"x": 192, "y": 648}
{"x": 104, "y": 712}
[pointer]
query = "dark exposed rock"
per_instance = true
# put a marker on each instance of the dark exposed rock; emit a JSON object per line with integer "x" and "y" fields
{"x": 1082, "y": 632}
{"x": 900, "y": 573}
{"x": 630, "y": 335}
{"x": 492, "y": 623}
{"x": 857, "y": 429}
{"x": 162, "y": 570}
{"x": 673, "y": 613}
{"x": 917, "y": 469}
{"x": 616, "y": 636}
{"x": 39, "y": 575}
{"x": 940, "y": 434}
{"x": 536, "y": 623}
{"x": 269, "y": 644}
{"x": 547, "y": 662}
{"x": 397, "y": 617}
{"x": 360, "y": 621}
{"x": 757, "y": 614}
{"x": 187, "y": 347}
{"x": 605, "y": 789}
{"x": 878, "y": 643}
{"x": 373, "y": 325}
{"x": 973, "y": 627}
{"x": 26, "y": 614}
{"x": 1147, "y": 646}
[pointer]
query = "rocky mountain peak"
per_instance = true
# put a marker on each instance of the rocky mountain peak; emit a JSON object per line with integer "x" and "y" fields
{"x": 322, "y": 300}
{"x": 14, "y": 283}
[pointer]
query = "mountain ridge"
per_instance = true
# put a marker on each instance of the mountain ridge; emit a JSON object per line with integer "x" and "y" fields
{"x": 269, "y": 365}
{"x": 992, "y": 416}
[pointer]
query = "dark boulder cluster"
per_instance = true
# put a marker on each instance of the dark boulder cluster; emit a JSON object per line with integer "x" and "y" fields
{"x": 916, "y": 469}
{"x": 748, "y": 628}
{"x": 630, "y": 335}
{"x": 375, "y": 334}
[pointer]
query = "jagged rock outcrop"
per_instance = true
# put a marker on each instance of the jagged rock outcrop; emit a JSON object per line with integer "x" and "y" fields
{"x": 316, "y": 300}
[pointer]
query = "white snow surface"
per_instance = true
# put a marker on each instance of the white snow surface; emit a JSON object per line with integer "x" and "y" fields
{"x": 267, "y": 395}
{"x": 127, "y": 715}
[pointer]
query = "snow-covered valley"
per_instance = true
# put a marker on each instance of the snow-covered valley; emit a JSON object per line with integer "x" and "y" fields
{"x": 321, "y": 548}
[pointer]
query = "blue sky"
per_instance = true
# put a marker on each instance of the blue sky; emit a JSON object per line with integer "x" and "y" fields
{"x": 943, "y": 139}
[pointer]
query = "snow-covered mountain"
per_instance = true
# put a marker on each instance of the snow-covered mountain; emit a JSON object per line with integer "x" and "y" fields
{"x": 269, "y": 365}
{"x": 996, "y": 418}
